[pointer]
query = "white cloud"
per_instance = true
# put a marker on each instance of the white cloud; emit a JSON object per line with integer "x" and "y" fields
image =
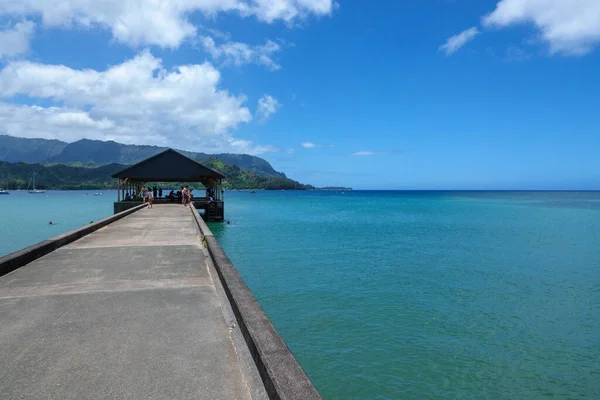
{"x": 236, "y": 53}
{"x": 267, "y": 106}
{"x": 164, "y": 23}
{"x": 569, "y": 26}
{"x": 15, "y": 41}
{"x": 138, "y": 101}
{"x": 59, "y": 122}
{"x": 288, "y": 10}
{"x": 457, "y": 41}
{"x": 247, "y": 147}
{"x": 366, "y": 153}
{"x": 308, "y": 145}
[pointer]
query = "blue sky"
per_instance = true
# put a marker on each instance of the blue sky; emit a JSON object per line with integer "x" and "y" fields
{"x": 490, "y": 94}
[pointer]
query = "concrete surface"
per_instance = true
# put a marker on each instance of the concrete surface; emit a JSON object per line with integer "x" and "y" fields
{"x": 201, "y": 203}
{"x": 127, "y": 312}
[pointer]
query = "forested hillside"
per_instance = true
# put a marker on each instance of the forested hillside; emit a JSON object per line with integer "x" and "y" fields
{"x": 14, "y": 176}
{"x": 95, "y": 153}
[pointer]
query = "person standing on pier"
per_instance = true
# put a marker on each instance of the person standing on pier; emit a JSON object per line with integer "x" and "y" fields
{"x": 150, "y": 198}
{"x": 144, "y": 194}
{"x": 184, "y": 195}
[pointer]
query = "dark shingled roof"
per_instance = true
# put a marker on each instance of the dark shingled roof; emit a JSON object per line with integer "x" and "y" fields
{"x": 169, "y": 166}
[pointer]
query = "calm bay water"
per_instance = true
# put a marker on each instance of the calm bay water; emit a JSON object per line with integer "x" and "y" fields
{"x": 404, "y": 295}
{"x": 25, "y": 217}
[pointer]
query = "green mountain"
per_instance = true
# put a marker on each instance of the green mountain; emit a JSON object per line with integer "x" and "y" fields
{"x": 17, "y": 176}
{"x": 96, "y": 152}
{"x": 13, "y": 149}
{"x": 59, "y": 176}
{"x": 237, "y": 178}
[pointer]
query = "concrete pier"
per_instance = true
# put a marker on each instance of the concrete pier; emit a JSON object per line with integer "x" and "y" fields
{"x": 133, "y": 310}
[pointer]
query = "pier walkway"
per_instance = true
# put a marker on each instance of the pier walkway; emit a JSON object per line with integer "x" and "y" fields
{"x": 131, "y": 311}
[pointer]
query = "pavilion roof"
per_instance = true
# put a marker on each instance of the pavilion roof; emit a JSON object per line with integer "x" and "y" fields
{"x": 169, "y": 166}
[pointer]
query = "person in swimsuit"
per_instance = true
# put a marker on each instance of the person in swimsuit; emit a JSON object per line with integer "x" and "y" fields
{"x": 184, "y": 195}
{"x": 150, "y": 198}
{"x": 144, "y": 194}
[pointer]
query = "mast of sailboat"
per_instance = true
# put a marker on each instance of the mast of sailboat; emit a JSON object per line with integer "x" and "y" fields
{"x": 32, "y": 181}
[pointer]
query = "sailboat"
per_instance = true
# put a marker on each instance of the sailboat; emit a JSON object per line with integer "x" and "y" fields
{"x": 34, "y": 190}
{"x": 2, "y": 191}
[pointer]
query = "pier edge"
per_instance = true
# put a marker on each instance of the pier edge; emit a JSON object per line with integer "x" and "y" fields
{"x": 282, "y": 376}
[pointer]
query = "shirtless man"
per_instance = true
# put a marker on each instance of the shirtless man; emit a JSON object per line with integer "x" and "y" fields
{"x": 184, "y": 195}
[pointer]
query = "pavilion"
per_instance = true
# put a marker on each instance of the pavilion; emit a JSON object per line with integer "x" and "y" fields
{"x": 170, "y": 166}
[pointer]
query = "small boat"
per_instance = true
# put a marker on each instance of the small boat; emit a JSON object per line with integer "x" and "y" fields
{"x": 97, "y": 194}
{"x": 2, "y": 191}
{"x": 34, "y": 190}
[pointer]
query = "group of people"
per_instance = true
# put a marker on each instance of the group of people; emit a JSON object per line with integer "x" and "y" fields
{"x": 156, "y": 192}
{"x": 185, "y": 195}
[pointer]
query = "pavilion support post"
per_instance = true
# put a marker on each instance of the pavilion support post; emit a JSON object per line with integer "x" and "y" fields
{"x": 119, "y": 189}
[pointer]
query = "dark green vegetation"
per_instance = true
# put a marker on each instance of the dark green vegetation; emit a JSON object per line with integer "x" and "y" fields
{"x": 17, "y": 176}
{"x": 95, "y": 152}
{"x": 89, "y": 164}
{"x": 13, "y": 149}
{"x": 238, "y": 178}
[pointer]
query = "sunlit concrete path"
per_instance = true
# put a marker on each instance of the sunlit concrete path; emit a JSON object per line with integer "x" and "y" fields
{"x": 130, "y": 311}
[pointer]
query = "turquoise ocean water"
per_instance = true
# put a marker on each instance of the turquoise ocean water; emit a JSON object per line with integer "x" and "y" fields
{"x": 405, "y": 295}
